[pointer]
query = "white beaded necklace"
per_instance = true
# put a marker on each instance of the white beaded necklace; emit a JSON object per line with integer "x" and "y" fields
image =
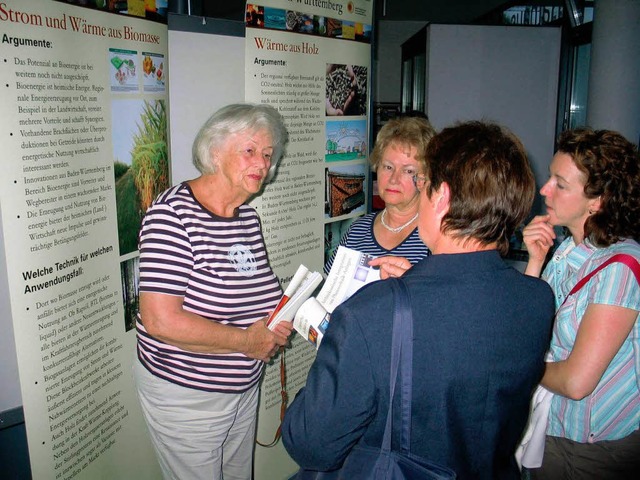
{"x": 396, "y": 229}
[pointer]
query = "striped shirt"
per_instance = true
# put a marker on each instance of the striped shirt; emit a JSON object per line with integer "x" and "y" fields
{"x": 360, "y": 237}
{"x": 219, "y": 266}
{"x": 612, "y": 411}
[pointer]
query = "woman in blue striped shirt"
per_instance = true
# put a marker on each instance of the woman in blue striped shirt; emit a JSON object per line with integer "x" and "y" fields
{"x": 593, "y": 364}
{"x": 398, "y": 156}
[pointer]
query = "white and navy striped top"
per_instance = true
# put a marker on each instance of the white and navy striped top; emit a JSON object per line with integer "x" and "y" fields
{"x": 360, "y": 237}
{"x": 219, "y": 265}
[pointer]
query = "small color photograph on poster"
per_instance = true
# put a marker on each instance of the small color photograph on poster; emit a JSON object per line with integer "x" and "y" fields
{"x": 346, "y": 90}
{"x": 346, "y": 140}
{"x": 345, "y": 191}
{"x": 123, "y": 71}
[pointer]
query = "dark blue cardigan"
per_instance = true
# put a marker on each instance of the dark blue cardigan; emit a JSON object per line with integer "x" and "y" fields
{"x": 480, "y": 333}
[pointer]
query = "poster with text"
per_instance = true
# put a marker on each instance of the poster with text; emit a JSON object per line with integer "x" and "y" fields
{"x": 311, "y": 61}
{"x": 85, "y": 149}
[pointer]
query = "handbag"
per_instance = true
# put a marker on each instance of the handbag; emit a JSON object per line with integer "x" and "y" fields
{"x": 365, "y": 462}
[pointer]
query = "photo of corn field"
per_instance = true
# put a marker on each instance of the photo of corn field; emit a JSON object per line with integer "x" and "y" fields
{"x": 141, "y": 163}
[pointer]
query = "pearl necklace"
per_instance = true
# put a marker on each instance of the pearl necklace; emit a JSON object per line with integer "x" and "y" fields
{"x": 396, "y": 229}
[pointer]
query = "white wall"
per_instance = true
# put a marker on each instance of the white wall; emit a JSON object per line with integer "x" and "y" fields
{"x": 614, "y": 79}
{"x": 206, "y": 61}
{"x": 508, "y": 75}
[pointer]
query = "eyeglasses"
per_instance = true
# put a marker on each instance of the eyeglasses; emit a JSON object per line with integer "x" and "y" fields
{"x": 419, "y": 181}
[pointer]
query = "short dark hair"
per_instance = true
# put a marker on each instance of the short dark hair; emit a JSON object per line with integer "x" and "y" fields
{"x": 611, "y": 167}
{"x": 489, "y": 177}
{"x": 406, "y": 132}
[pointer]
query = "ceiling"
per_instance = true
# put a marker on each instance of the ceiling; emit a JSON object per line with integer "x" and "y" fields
{"x": 435, "y": 11}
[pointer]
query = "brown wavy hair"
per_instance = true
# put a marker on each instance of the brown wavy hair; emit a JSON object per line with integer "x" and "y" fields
{"x": 611, "y": 166}
{"x": 490, "y": 179}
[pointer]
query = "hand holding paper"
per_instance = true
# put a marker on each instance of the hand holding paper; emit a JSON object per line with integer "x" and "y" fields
{"x": 350, "y": 272}
{"x": 294, "y": 284}
{"x": 300, "y": 288}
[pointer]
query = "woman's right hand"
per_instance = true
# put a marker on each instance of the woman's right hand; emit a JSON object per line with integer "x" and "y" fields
{"x": 538, "y": 238}
{"x": 390, "y": 266}
{"x": 262, "y": 343}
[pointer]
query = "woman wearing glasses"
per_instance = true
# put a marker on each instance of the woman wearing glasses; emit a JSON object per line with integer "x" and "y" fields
{"x": 397, "y": 157}
{"x": 205, "y": 289}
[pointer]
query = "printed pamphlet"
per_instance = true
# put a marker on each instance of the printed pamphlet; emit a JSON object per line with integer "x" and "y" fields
{"x": 300, "y": 288}
{"x": 350, "y": 272}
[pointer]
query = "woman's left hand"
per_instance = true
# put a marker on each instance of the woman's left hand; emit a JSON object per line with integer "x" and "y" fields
{"x": 390, "y": 266}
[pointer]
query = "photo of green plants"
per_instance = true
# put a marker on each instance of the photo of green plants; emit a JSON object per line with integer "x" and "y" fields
{"x": 141, "y": 163}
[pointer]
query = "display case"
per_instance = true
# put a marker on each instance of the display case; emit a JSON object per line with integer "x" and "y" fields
{"x": 414, "y": 70}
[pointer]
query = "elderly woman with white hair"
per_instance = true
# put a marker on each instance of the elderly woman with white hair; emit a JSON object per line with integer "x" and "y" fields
{"x": 205, "y": 289}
